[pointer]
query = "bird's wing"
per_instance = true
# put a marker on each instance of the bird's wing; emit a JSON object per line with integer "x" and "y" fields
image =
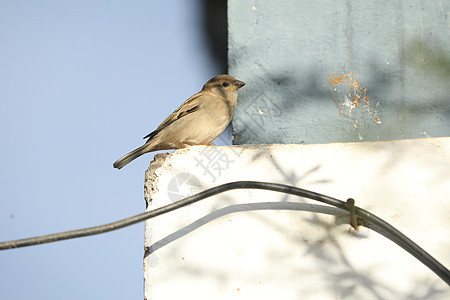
{"x": 189, "y": 106}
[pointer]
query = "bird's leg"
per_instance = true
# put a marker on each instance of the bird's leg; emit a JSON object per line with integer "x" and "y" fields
{"x": 189, "y": 143}
{"x": 194, "y": 144}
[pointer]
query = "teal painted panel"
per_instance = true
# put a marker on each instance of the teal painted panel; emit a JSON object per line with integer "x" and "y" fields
{"x": 340, "y": 71}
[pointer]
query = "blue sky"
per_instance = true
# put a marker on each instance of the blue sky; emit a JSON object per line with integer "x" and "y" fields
{"x": 81, "y": 82}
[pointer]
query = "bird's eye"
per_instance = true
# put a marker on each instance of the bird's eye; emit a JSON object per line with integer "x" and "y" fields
{"x": 225, "y": 84}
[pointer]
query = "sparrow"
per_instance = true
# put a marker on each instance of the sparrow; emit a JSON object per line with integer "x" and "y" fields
{"x": 198, "y": 121}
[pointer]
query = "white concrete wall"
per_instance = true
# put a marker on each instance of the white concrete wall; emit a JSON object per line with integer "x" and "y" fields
{"x": 252, "y": 244}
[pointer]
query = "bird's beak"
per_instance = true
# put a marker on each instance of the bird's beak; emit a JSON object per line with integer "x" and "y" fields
{"x": 238, "y": 84}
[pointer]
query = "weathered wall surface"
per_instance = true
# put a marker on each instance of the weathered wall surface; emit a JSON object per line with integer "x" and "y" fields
{"x": 340, "y": 71}
{"x": 252, "y": 244}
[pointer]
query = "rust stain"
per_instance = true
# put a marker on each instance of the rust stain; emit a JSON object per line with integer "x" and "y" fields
{"x": 349, "y": 94}
{"x": 333, "y": 79}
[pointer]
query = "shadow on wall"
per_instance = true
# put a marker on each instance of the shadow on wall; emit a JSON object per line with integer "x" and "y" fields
{"x": 328, "y": 252}
{"x": 214, "y": 26}
{"x": 301, "y": 104}
{"x": 430, "y": 59}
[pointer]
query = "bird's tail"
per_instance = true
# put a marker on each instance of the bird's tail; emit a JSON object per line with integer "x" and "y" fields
{"x": 127, "y": 158}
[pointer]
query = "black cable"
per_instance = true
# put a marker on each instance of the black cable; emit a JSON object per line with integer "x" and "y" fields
{"x": 366, "y": 219}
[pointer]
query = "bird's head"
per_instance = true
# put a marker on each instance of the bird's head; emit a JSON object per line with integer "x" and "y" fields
{"x": 223, "y": 85}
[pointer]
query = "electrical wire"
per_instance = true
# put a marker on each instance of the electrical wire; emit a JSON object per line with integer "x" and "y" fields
{"x": 365, "y": 218}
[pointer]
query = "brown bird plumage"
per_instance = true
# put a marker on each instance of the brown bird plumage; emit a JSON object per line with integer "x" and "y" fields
{"x": 198, "y": 121}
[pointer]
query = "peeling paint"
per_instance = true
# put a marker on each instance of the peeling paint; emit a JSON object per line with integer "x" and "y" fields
{"x": 349, "y": 94}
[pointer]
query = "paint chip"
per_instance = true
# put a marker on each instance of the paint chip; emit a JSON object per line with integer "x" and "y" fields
{"x": 349, "y": 94}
